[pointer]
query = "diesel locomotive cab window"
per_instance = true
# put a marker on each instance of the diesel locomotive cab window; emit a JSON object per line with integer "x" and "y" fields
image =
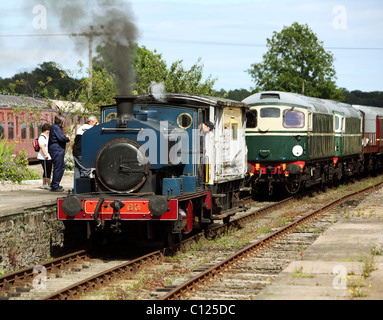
{"x": 293, "y": 119}
{"x": 251, "y": 119}
{"x": 270, "y": 113}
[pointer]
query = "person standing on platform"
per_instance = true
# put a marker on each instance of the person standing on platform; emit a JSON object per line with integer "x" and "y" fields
{"x": 56, "y": 146}
{"x": 79, "y": 170}
{"x": 44, "y": 157}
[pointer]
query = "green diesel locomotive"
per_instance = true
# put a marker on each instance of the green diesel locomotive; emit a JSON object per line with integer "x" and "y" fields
{"x": 300, "y": 141}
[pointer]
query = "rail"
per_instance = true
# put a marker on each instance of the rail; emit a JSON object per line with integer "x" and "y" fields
{"x": 190, "y": 285}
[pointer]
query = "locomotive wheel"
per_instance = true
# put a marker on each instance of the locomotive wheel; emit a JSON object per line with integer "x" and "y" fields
{"x": 169, "y": 239}
{"x": 292, "y": 187}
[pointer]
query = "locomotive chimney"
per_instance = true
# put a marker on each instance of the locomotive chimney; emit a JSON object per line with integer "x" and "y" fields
{"x": 124, "y": 111}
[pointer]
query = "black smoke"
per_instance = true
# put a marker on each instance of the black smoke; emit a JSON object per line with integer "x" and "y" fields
{"x": 113, "y": 27}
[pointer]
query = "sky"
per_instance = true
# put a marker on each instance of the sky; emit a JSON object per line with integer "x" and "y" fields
{"x": 228, "y": 35}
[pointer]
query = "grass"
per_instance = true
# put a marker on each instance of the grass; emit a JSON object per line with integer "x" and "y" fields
{"x": 298, "y": 273}
{"x": 357, "y": 284}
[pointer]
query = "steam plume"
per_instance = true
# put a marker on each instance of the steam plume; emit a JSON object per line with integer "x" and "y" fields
{"x": 113, "y": 26}
{"x": 158, "y": 90}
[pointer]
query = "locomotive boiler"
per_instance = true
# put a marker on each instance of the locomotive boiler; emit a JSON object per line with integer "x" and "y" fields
{"x": 156, "y": 172}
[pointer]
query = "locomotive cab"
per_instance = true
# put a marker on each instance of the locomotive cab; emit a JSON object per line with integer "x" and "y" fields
{"x": 289, "y": 123}
{"x": 278, "y": 134}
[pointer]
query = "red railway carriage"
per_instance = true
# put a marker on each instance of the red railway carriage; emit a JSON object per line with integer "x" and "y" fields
{"x": 21, "y": 119}
{"x": 372, "y": 135}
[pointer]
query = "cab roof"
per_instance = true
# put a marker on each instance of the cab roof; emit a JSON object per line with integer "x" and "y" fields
{"x": 316, "y": 105}
{"x": 183, "y": 99}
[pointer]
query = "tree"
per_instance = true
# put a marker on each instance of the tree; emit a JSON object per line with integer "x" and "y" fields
{"x": 238, "y": 94}
{"x": 374, "y": 99}
{"x": 102, "y": 93}
{"x": 297, "y": 62}
{"x": 150, "y": 67}
{"x": 49, "y": 80}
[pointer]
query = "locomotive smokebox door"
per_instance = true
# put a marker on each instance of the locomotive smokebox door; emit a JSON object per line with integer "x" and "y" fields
{"x": 122, "y": 166}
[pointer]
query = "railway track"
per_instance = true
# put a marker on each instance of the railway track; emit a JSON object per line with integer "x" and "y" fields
{"x": 71, "y": 276}
{"x": 244, "y": 273}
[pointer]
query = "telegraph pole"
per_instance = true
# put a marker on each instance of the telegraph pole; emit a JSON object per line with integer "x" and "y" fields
{"x": 90, "y": 35}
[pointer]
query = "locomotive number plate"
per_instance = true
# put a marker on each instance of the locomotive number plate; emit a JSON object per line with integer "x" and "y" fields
{"x": 129, "y": 207}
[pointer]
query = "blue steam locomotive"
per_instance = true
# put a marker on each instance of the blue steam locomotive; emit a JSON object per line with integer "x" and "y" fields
{"x": 158, "y": 169}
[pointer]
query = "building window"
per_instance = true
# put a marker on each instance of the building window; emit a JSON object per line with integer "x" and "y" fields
{"x": 31, "y": 130}
{"x": 11, "y": 131}
{"x": 2, "y": 132}
{"x": 23, "y": 131}
{"x": 234, "y": 130}
{"x": 39, "y": 128}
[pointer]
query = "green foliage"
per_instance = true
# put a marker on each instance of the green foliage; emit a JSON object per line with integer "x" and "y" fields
{"x": 69, "y": 160}
{"x": 374, "y": 99}
{"x": 48, "y": 81}
{"x": 297, "y": 62}
{"x": 13, "y": 169}
{"x": 150, "y": 67}
{"x": 188, "y": 81}
{"x": 102, "y": 93}
{"x": 238, "y": 94}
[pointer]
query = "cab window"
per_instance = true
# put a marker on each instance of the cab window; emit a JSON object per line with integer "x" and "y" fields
{"x": 270, "y": 113}
{"x": 251, "y": 119}
{"x": 293, "y": 119}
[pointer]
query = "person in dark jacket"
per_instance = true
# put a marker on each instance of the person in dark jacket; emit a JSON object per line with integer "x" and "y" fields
{"x": 56, "y": 145}
{"x": 79, "y": 170}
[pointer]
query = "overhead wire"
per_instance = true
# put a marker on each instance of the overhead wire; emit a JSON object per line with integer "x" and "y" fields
{"x": 199, "y": 42}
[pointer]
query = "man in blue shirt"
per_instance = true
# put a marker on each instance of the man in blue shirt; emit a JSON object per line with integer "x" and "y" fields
{"x": 56, "y": 147}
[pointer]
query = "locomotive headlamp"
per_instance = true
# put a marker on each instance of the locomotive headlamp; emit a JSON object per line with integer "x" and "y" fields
{"x": 297, "y": 151}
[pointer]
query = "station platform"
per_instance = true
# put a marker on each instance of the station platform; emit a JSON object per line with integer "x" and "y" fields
{"x": 16, "y": 198}
{"x": 332, "y": 268}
